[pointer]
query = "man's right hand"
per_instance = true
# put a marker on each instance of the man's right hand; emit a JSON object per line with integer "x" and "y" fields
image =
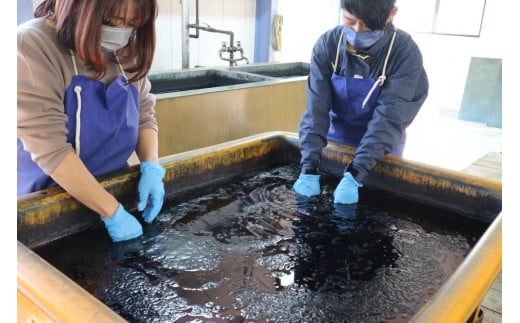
{"x": 307, "y": 185}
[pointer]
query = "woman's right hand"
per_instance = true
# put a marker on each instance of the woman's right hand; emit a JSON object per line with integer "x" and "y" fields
{"x": 72, "y": 175}
{"x": 122, "y": 225}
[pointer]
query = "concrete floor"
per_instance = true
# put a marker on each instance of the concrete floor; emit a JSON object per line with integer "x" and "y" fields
{"x": 439, "y": 138}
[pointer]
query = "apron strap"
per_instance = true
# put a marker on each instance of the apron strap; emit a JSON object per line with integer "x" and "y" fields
{"x": 335, "y": 64}
{"x": 77, "y": 90}
{"x": 73, "y": 61}
{"x": 121, "y": 68}
{"x": 381, "y": 79}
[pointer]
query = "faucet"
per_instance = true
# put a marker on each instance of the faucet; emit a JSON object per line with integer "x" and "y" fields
{"x": 231, "y": 50}
{"x": 241, "y": 50}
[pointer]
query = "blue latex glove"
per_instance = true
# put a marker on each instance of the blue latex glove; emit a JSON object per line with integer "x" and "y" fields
{"x": 151, "y": 187}
{"x": 347, "y": 190}
{"x": 122, "y": 225}
{"x": 307, "y": 185}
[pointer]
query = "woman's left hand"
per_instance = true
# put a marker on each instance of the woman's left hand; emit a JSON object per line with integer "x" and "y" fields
{"x": 151, "y": 187}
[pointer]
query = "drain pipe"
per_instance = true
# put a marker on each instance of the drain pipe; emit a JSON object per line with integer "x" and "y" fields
{"x": 185, "y": 33}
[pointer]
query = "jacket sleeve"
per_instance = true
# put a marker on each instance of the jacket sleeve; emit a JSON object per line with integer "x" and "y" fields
{"x": 402, "y": 95}
{"x": 314, "y": 124}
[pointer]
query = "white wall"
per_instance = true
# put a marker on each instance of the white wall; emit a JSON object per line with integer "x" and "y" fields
{"x": 237, "y": 16}
{"x": 446, "y": 58}
{"x": 303, "y": 23}
{"x": 232, "y": 15}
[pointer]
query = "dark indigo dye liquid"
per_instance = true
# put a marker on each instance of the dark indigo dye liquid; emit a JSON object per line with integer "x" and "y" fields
{"x": 252, "y": 252}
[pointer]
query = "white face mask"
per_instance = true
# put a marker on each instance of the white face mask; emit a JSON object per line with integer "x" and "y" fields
{"x": 114, "y": 38}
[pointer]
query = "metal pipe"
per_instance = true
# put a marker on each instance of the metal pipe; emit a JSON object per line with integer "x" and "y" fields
{"x": 45, "y": 294}
{"x": 231, "y": 49}
{"x": 185, "y": 32}
{"x": 196, "y": 21}
{"x": 214, "y": 30}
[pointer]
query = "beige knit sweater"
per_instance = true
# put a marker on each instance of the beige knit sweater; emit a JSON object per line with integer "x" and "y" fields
{"x": 45, "y": 70}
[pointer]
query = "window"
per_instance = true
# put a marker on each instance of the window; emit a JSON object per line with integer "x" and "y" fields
{"x": 447, "y": 17}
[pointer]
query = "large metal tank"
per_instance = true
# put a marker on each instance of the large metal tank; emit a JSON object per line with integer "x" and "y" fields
{"x": 200, "y": 107}
{"x": 44, "y": 293}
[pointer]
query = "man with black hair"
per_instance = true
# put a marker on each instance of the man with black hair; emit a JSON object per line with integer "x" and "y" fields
{"x": 366, "y": 85}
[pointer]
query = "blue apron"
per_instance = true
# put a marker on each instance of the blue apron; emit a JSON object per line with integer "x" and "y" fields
{"x": 353, "y": 103}
{"x": 102, "y": 128}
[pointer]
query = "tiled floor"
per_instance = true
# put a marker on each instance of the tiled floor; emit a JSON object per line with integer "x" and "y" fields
{"x": 439, "y": 138}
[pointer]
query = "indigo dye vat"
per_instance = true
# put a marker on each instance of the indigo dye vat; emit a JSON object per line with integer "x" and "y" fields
{"x": 252, "y": 251}
{"x": 234, "y": 243}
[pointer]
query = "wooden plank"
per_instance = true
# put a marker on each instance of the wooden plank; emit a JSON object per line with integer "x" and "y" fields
{"x": 493, "y": 300}
{"x": 490, "y": 166}
{"x": 492, "y": 317}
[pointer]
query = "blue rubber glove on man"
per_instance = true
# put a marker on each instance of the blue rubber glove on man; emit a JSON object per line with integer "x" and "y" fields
{"x": 307, "y": 185}
{"x": 122, "y": 225}
{"x": 151, "y": 187}
{"x": 347, "y": 190}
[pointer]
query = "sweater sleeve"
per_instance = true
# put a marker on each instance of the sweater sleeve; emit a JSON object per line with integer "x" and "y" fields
{"x": 41, "y": 122}
{"x": 147, "y": 101}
